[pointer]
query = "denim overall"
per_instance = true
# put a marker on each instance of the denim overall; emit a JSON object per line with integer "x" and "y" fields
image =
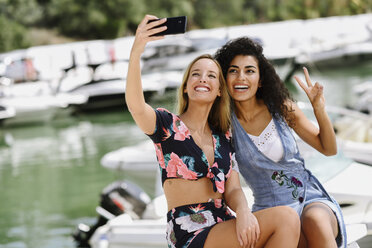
{"x": 286, "y": 182}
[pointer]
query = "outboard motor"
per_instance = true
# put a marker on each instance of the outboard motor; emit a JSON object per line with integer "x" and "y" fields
{"x": 117, "y": 198}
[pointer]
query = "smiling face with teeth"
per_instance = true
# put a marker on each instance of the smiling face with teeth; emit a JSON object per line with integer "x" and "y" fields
{"x": 203, "y": 83}
{"x": 243, "y": 78}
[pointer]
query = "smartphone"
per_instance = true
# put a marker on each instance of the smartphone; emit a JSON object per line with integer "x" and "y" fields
{"x": 175, "y": 25}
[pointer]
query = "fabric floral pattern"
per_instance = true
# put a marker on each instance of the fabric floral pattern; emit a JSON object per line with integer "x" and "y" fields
{"x": 217, "y": 145}
{"x": 176, "y": 168}
{"x": 167, "y": 133}
{"x": 217, "y": 177}
{"x": 196, "y": 221}
{"x": 171, "y": 237}
{"x": 191, "y": 223}
{"x": 195, "y": 234}
{"x": 228, "y": 134}
{"x": 218, "y": 203}
{"x": 180, "y": 129}
{"x": 159, "y": 155}
{"x": 291, "y": 182}
{"x": 180, "y": 157}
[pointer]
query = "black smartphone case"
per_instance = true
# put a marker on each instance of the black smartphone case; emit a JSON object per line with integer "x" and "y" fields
{"x": 175, "y": 25}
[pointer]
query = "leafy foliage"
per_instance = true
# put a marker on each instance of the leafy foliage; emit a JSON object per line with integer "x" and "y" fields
{"x": 12, "y": 35}
{"x": 97, "y": 19}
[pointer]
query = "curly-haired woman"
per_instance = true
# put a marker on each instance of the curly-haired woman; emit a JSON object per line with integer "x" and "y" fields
{"x": 264, "y": 115}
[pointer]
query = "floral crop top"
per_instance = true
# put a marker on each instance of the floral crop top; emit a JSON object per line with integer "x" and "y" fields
{"x": 180, "y": 157}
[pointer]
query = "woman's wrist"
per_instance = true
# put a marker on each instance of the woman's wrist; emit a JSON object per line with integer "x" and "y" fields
{"x": 319, "y": 109}
{"x": 243, "y": 210}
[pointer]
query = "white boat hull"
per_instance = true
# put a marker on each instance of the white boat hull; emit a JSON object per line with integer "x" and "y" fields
{"x": 123, "y": 231}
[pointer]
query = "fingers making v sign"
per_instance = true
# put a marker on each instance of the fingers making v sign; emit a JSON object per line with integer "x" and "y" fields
{"x": 313, "y": 92}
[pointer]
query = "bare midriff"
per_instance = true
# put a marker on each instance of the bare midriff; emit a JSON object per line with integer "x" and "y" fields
{"x": 181, "y": 192}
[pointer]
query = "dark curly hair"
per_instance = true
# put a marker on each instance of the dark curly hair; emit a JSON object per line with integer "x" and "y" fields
{"x": 272, "y": 91}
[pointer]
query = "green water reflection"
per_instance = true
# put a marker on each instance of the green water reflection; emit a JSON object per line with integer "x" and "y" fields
{"x": 51, "y": 177}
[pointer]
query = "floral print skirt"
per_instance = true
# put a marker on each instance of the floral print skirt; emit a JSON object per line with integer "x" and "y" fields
{"x": 189, "y": 225}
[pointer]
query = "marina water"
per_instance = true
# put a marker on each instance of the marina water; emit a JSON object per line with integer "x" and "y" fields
{"x": 51, "y": 177}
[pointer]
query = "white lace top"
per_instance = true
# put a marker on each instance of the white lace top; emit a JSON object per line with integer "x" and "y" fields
{"x": 269, "y": 143}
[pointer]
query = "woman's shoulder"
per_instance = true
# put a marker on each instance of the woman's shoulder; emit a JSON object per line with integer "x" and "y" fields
{"x": 163, "y": 110}
{"x": 165, "y": 113}
{"x": 164, "y": 118}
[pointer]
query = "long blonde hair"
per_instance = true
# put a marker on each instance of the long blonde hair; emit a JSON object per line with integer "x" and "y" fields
{"x": 219, "y": 115}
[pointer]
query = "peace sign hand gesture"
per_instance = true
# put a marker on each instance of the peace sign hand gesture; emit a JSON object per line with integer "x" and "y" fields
{"x": 313, "y": 92}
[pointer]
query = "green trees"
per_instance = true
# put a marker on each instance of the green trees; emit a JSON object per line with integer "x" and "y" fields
{"x": 11, "y": 35}
{"x": 15, "y": 17}
{"x": 108, "y": 19}
{"x": 93, "y": 19}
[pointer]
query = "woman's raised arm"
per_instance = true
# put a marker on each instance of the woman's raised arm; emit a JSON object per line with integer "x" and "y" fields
{"x": 142, "y": 113}
{"x": 323, "y": 138}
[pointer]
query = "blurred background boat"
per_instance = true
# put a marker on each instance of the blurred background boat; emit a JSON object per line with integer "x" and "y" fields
{"x": 353, "y": 131}
{"x": 6, "y": 113}
{"x": 63, "y": 150}
{"x": 97, "y": 68}
{"x": 354, "y": 196}
{"x": 363, "y": 91}
{"x": 34, "y": 101}
{"x": 347, "y": 181}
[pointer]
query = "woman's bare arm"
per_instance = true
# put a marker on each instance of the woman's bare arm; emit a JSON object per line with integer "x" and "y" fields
{"x": 323, "y": 138}
{"x": 143, "y": 114}
{"x": 247, "y": 227}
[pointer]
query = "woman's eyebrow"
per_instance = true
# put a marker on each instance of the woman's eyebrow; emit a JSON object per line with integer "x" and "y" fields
{"x": 248, "y": 66}
{"x": 210, "y": 71}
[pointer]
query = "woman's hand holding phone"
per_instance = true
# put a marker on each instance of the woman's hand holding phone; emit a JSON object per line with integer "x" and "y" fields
{"x": 152, "y": 28}
{"x": 175, "y": 25}
{"x": 146, "y": 30}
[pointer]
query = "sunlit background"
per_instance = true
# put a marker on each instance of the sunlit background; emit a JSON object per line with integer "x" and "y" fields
{"x": 63, "y": 65}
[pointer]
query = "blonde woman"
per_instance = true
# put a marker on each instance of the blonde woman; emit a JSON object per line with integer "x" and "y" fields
{"x": 195, "y": 160}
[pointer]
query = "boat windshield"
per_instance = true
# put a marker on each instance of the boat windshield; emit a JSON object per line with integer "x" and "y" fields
{"x": 323, "y": 167}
